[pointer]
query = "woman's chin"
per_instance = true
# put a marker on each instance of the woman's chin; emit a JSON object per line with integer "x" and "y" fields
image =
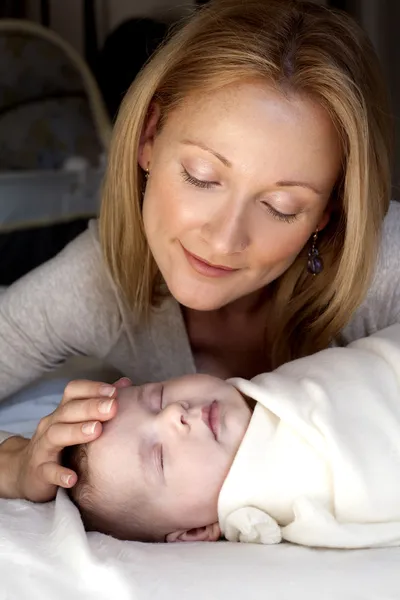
{"x": 203, "y": 306}
{"x": 198, "y": 301}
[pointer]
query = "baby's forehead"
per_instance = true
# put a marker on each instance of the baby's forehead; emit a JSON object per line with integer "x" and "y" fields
{"x": 116, "y": 439}
{"x": 113, "y": 466}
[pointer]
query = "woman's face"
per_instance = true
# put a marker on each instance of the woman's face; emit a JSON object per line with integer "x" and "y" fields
{"x": 239, "y": 181}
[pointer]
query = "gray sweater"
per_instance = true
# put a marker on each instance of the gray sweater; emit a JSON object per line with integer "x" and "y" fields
{"x": 70, "y": 306}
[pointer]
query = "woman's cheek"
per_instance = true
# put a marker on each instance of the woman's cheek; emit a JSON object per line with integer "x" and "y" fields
{"x": 280, "y": 241}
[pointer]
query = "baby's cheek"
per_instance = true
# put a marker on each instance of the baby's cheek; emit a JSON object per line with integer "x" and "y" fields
{"x": 215, "y": 473}
{"x": 201, "y": 503}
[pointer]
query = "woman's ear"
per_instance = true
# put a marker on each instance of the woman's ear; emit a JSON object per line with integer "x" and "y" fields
{"x": 209, "y": 533}
{"x": 147, "y": 136}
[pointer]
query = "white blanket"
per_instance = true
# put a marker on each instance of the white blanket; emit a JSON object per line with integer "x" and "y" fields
{"x": 45, "y": 554}
{"x": 320, "y": 462}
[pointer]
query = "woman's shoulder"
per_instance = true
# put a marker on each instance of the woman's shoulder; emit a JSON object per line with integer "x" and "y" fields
{"x": 81, "y": 262}
{"x": 84, "y": 249}
{"x": 381, "y": 307}
{"x": 81, "y": 265}
{"x": 389, "y": 252}
{"x": 73, "y": 287}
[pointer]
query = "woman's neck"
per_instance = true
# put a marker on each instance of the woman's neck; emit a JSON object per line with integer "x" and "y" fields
{"x": 246, "y": 306}
{"x": 230, "y": 341}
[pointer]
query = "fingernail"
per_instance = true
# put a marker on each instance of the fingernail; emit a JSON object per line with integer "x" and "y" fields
{"x": 107, "y": 390}
{"x": 89, "y": 428}
{"x": 105, "y": 406}
{"x": 66, "y": 479}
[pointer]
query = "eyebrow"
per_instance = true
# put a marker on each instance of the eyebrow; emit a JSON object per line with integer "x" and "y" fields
{"x": 227, "y": 163}
{"x": 224, "y": 160}
{"x": 302, "y": 184}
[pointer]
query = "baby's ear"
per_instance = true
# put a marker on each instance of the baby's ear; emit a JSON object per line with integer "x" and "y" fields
{"x": 208, "y": 533}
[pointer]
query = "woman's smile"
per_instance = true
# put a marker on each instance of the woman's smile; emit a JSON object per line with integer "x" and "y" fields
{"x": 205, "y": 268}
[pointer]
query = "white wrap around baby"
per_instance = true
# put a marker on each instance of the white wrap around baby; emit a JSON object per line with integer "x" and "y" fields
{"x": 320, "y": 462}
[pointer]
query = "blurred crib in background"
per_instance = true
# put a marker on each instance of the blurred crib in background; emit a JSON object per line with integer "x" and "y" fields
{"x": 54, "y": 133}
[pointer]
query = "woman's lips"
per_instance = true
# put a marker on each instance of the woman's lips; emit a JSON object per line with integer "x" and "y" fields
{"x": 210, "y": 415}
{"x": 205, "y": 268}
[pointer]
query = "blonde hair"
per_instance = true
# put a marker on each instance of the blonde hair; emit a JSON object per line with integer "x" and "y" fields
{"x": 299, "y": 47}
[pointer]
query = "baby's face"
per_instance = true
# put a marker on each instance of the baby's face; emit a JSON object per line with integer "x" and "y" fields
{"x": 171, "y": 444}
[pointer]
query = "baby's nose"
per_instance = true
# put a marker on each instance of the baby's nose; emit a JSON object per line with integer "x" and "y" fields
{"x": 175, "y": 415}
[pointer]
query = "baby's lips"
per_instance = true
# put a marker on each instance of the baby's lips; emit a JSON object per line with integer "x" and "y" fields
{"x": 210, "y": 416}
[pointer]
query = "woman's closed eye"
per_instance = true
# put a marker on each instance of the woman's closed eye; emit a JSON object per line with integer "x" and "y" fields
{"x": 197, "y": 182}
{"x": 287, "y": 218}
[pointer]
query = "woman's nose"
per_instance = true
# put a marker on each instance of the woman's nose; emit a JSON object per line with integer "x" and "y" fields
{"x": 226, "y": 231}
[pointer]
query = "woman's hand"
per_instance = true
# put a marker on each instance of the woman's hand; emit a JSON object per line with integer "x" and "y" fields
{"x": 33, "y": 469}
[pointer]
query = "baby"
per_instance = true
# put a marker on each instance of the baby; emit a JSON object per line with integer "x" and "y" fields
{"x": 156, "y": 471}
{"x": 317, "y": 462}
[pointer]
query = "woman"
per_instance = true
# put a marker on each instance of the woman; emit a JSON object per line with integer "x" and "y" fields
{"x": 247, "y": 185}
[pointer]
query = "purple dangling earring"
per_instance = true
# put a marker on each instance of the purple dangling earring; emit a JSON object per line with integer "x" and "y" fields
{"x": 315, "y": 264}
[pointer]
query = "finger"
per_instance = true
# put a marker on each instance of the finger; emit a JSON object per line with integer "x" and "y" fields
{"x": 60, "y": 435}
{"x": 77, "y": 411}
{"x": 82, "y": 388}
{"x": 124, "y": 382}
{"x": 54, "y": 474}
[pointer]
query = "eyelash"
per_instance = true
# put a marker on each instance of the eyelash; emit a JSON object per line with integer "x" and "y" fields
{"x": 278, "y": 215}
{"x": 162, "y": 458}
{"x": 209, "y": 184}
{"x": 161, "y": 397}
{"x": 197, "y": 182}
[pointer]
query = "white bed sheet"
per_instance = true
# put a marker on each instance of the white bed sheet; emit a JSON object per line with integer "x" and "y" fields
{"x": 45, "y": 553}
